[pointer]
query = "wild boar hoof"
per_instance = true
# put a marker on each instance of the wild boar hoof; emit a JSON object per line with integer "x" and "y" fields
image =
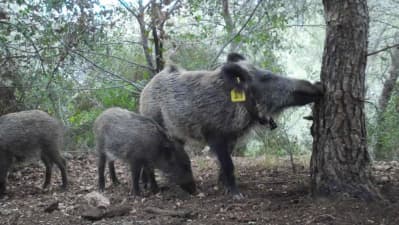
{"x": 236, "y": 194}
{"x": 135, "y": 193}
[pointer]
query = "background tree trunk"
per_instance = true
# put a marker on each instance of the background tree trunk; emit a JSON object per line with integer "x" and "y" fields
{"x": 157, "y": 22}
{"x": 8, "y": 102}
{"x": 390, "y": 82}
{"x": 229, "y": 23}
{"x": 340, "y": 163}
{"x": 387, "y": 90}
{"x": 7, "y": 99}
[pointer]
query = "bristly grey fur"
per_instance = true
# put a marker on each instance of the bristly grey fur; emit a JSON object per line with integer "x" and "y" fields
{"x": 189, "y": 103}
{"x": 196, "y": 105}
{"x": 136, "y": 139}
{"x": 30, "y": 134}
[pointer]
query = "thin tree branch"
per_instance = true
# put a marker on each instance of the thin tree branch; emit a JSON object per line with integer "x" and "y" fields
{"x": 16, "y": 57}
{"x": 122, "y": 42}
{"x": 95, "y": 89}
{"x": 237, "y": 34}
{"x": 124, "y": 4}
{"x": 22, "y": 31}
{"x": 60, "y": 60}
{"x": 71, "y": 89}
{"x": 306, "y": 25}
{"x": 109, "y": 72}
{"x": 383, "y": 49}
{"x": 118, "y": 58}
{"x": 383, "y": 22}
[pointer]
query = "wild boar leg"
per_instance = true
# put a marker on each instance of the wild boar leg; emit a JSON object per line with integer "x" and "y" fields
{"x": 101, "y": 169}
{"x": 220, "y": 146}
{"x": 5, "y": 163}
{"x": 61, "y": 163}
{"x": 112, "y": 173}
{"x": 48, "y": 164}
{"x": 151, "y": 177}
{"x": 54, "y": 156}
{"x": 135, "y": 169}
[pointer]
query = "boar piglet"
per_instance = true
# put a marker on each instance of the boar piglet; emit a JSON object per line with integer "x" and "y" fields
{"x": 144, "y": 145}
{"x": 27, "y": 135}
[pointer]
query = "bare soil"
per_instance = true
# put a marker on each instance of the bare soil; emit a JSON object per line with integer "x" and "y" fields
{"x": 273, "y": 195}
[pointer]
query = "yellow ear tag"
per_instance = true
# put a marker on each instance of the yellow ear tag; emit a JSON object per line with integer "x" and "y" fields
{"x": 237, "y": 96}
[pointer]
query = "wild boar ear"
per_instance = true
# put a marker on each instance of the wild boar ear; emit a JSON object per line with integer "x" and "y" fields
{"x": 236, "y": 76}
{"x": 235, "y": 57}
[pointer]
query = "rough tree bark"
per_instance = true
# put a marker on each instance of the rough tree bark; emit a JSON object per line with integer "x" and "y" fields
{"x": 340, "y": 164}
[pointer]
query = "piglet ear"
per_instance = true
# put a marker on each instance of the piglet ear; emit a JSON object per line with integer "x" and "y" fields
{"x": 235, "y": 76}
{"x": 235, "y": 57}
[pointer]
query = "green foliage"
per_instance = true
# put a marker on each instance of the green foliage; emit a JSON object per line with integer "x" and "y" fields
{"x": 193, "y": 57}
{"x": 87, "y": 106}
{"x": 117, "y": 97}
{"x": 80, "y": 129}
{"x": 276, "y": 143}
{"x": 387, "y": 132}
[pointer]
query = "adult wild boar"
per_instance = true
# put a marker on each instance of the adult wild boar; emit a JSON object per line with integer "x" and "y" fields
{"x": 142, "y": 143}
{"x": 30, "y": 134}
{"x": 217, "y": 107}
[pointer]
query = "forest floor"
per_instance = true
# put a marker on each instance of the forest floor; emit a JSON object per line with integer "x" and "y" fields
{"x": 273, "y": 195}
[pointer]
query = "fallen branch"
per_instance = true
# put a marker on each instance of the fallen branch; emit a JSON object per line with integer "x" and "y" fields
{"x": 237, "y": 205}
{"x": 95, "y": 213}
{"x": 324, "y": 218}
{"x": 117, "y": 211}
{"x": 51, "y": 207}
{"x": 167, "y": 212}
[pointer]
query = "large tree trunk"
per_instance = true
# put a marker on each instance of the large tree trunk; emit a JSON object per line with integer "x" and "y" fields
{"x": 340, "y": 163}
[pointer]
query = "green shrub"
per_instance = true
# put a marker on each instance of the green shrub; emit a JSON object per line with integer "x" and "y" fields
{"x": 386, "y": 132}
{"x": 87, "y": 107}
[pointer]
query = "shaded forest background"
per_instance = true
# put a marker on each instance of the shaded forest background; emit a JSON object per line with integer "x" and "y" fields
{"x": 75, "y": 58}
